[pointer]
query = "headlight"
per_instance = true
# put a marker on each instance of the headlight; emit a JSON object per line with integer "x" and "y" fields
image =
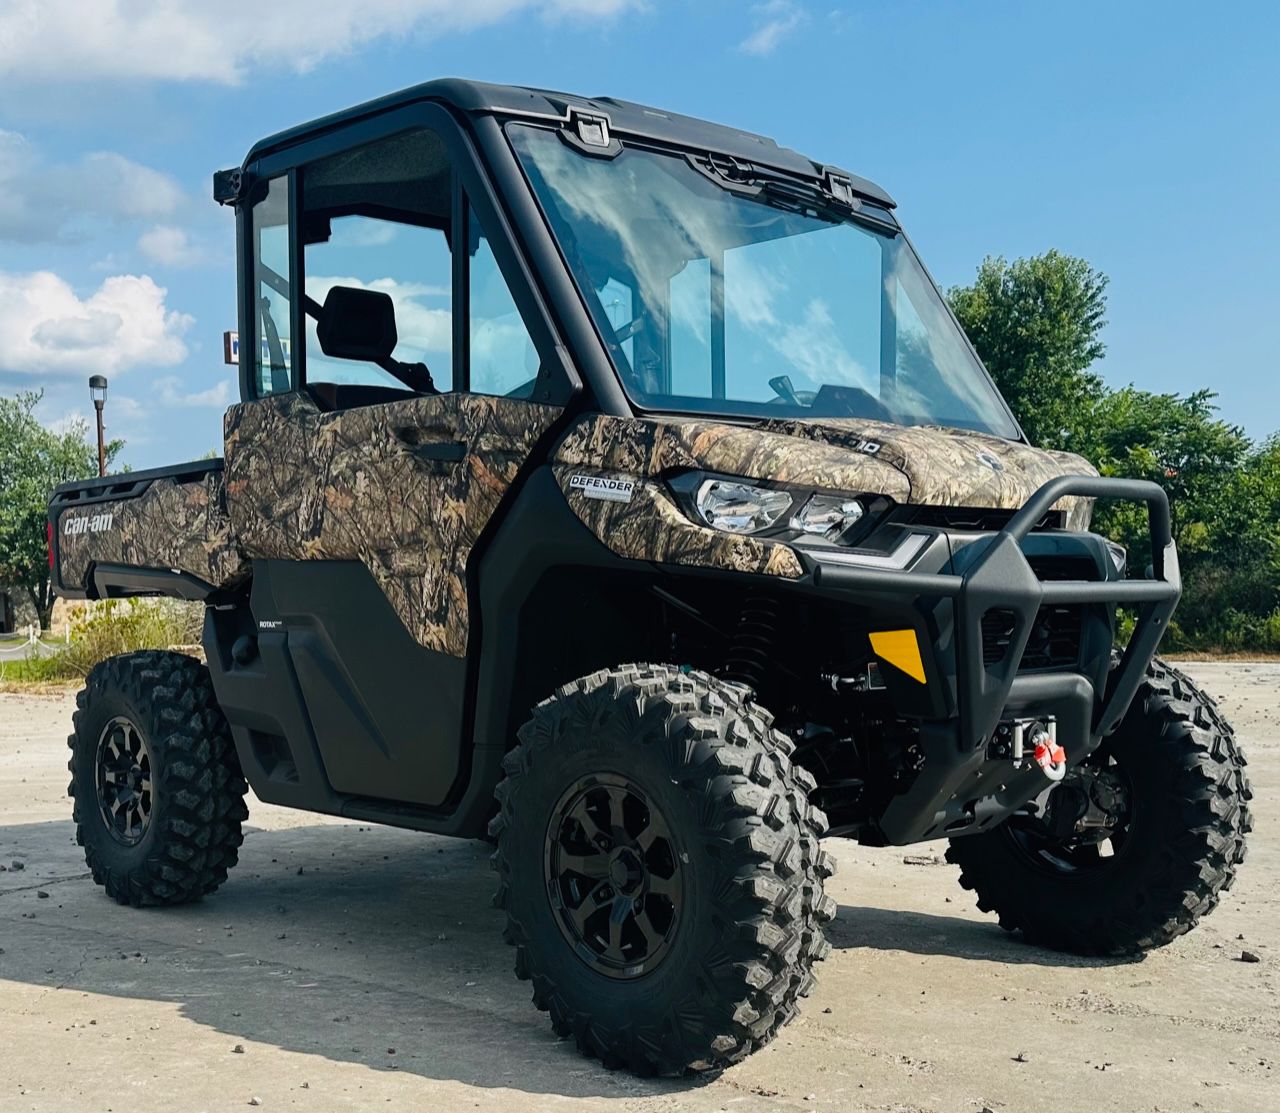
{"x": 828, "y": 516}
{"x": 1119, "y": 557}
{"x": 779, "y": 512}
{"x": 740, "y": 507}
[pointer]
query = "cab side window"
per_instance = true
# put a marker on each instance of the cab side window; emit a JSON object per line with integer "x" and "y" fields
{"x": 400, "y": 292}
{"x": 501, "y": 356}
{"x": 376, "y": 225}
{"x": 273, "y": 363}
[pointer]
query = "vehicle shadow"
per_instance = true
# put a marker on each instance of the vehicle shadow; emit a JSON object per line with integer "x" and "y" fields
{"x": 923, "y": 933}
{"x": 328, "y": 939}
{"x": 347, "y": 941}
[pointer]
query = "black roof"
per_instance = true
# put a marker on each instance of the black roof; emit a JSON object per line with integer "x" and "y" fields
{"x": 625, "y": 118}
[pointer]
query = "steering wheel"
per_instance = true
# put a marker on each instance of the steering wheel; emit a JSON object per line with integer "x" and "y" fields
{"x": 787, "y": 395}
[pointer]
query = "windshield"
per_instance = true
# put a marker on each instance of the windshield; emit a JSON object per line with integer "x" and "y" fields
{"x": 713, "y": 301}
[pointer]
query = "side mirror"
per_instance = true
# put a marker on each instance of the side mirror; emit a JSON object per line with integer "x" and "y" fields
{"x": 357, "y": 324}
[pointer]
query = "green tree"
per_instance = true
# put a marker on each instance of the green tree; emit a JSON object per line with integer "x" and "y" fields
{"x": 34, "y": 460}
{"x": 1036, "y": 324}
{"x": 1180, "y": 443}
{"x": 1224, "y": 493}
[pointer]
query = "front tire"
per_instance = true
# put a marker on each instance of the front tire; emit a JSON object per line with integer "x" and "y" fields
{"x": 159, "y": 797}
{"x": 660, "y": 869}
{"x": 1173, "y": 778}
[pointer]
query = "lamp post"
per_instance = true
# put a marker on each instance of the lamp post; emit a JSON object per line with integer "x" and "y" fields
{"x": 98, "y": 392}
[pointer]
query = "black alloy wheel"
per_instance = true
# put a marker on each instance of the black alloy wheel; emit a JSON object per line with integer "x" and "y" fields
{"x": 123, "y": 776}
{"x": 613, "y": 873}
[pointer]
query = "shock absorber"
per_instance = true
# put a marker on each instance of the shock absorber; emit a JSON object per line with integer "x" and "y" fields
{"x": 751, "y": 649}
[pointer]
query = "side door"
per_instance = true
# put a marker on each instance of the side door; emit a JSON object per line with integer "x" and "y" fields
{"x": 399, "y": 389}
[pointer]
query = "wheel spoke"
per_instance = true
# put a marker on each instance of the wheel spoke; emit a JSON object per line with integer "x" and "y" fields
{"x": 590, "y": 905}
{"x": 594, "y": 866}
{"x": 617, "y": 797}
{"x": 668, "y": 887}
{"x": 652, "y": 936}
{"x": 646, "y": 839}
{"x": 586, "y": 820}
{"x": 617, "y": 917}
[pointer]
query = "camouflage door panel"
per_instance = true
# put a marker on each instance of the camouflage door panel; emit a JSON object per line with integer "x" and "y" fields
{"x": 307, "y": 485}
{"x": 183, "y": 526}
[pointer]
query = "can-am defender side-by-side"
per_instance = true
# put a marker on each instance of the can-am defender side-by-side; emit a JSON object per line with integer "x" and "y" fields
{"x": 619, "y": 485}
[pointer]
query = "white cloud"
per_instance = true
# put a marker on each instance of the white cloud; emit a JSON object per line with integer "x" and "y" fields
{"x": 169, "y": 246}
{"x": 774, "y": 21}
{"x": 70, "y": 40}
{"x": 41, "y": 201}
{"x": 169, "y": 392}
{"x": 47, "y": 328}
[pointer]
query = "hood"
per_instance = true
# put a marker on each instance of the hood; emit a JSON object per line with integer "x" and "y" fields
{"x": 951, "y": 467}
{"x": 928, "y": 465}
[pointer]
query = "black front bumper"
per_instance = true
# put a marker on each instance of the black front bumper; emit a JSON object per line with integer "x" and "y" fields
{"x": 960, "y": 789}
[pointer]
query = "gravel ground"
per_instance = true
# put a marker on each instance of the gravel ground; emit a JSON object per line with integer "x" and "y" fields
{"x": 350, "y": 967}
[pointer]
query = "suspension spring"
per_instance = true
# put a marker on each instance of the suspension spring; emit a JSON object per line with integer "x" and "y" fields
{"x": 751, "y": 651}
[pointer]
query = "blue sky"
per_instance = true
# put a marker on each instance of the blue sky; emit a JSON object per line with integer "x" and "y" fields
{"x": 1142, "y": 136}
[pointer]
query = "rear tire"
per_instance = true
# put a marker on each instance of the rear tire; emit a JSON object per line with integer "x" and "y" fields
{"x": 719, "y": 909}
{"x": 159, "y": 797}
{"x": 1183, "y": 776}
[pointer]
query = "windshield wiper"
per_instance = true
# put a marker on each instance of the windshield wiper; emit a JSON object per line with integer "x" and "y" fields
{"x": 785, "y": 191}
{"x": 796, "y": 197}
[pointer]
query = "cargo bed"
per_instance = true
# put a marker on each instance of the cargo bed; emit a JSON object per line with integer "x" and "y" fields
{"x": 160, "y": 532}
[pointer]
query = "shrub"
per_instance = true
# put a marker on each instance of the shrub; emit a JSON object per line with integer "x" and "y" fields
{"x": 112, "y": 627}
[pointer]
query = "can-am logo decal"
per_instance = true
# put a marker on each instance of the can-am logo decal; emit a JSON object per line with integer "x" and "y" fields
{"x": 90, "y": 523}
{"x": 991, "y": 461}
{"x": 598, "y": 487}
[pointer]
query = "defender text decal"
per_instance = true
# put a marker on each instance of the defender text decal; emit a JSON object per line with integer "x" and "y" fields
{"x": 598, "y": 487}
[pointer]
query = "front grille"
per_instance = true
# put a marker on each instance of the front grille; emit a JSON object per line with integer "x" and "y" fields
{"x": 970, "y": 518}
{"x": 1055, "y": 637}
{"x": 997, "y": 632}
{"x": 1054, "y": 642}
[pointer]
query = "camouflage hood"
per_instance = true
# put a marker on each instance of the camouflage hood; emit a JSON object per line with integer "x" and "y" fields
{"x": 941, "y": 467}
{"x": 927, "y": 465}
{"x": 949, "y": 467}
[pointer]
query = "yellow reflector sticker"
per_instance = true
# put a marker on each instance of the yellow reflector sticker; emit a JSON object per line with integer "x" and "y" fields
{"x": 900, "y": 649}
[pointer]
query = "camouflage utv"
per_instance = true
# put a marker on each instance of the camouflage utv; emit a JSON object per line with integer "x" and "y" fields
{"x": 619, "y": 485}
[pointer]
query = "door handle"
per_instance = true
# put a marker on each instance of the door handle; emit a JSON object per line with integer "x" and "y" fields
{"x": 431, "y": 451}
{"x": 440, "y": 452}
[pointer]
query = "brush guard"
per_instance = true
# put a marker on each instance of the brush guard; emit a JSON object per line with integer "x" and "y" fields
{"x": 950, "y": 795}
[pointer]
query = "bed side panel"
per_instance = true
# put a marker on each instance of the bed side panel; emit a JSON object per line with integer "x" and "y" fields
{"x": 170, "y": 524}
